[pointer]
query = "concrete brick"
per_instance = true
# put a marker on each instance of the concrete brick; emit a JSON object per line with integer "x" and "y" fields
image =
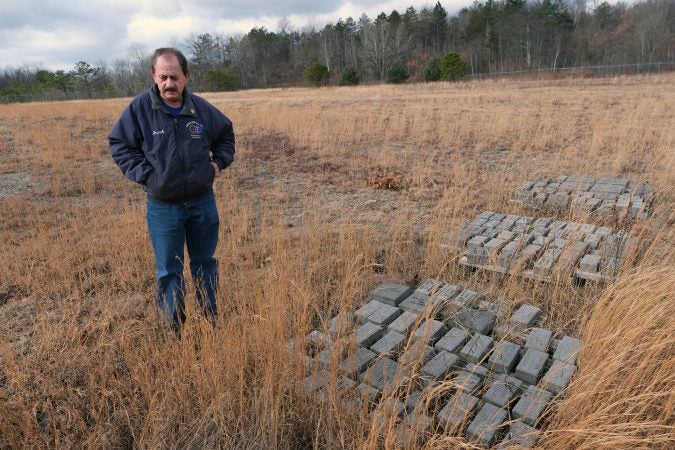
{"x": 475, "y": 369}
{"x": 429, "y": 331}
{"x": 367, "y": 334}
{"x": 485, "y": 426}
{"x": 413, "y": 400}
{"x": 368, "y": 392}
{"x": 427, "y": 288}
{"x": 502, "y": 392}
{"x": 416, "y": 353}
{"x": 503, "y": 357}
{"x": 413, "y": 431}
{"x": 467, "y": 382}
{"x": 590, "y": 263}
{"x": 392, "y": 406}
{"x": 415, "y": 305}
{"x": 403, "y": 323}
{"x": 314, "y": 382}
{"x": 520, "y": 435}
{"x": 457, "y": 412}
{"x": 568, "y": 350}
{"x": 526, "y": 315}
{"x": 531, "y": 405}
{"x": 366, "y": 310}
{"x": 439, "y": 366}
{"x": 558, "y": 377}
{"x": 475, "y": 320}
{"x": 538, "y": 339}
{"x": 446, "y": 293}
{"x": 391, "y": 342}
{"x": 341, "y": 325}
{"x": 506, "y": 235}
{"x": 469, "y": 297}
{"x": 453, "y": 340}
{"x": 486, "y": 215}
{"x": 508, "y": 253}
{"x": 391, "y": 293}
{"x": 476, "y": 349}
{"x": 531, "y": 366}
{"x": 324, "y": 356}
{"x": 357, "y": 362}
{"x": 493, "y": 246}
{"x": 384, "y": 315}
{"x": 593, "y": 240}
{"x": 380, "y": 374}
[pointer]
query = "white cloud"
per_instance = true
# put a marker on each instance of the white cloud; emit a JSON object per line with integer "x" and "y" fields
{"x": 60, "y": 33}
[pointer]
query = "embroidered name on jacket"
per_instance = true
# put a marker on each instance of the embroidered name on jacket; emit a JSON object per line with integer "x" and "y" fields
{"x": 196, "y": 129}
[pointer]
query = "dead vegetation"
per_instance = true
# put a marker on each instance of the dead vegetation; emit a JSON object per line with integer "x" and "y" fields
{"x": 84, "y": 362}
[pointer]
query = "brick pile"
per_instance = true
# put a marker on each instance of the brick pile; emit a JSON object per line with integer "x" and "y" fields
{"x": 540, "y": 248}
{"x": 604, "y": 196}
{"x": 441, "y": 359}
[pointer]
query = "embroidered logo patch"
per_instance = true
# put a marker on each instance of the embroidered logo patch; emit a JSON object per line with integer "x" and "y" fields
{"x": 196, "y": 129}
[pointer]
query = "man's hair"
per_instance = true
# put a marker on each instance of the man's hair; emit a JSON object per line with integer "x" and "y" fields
{"x": 170, "y": 51}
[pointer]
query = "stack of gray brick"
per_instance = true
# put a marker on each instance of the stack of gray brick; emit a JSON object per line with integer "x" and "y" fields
{"x": 495, "y": 381}
{"x": 609, "y": 196}
{"x": 546, "y": 248}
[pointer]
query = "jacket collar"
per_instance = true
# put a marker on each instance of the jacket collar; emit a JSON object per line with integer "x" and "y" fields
{"x": 157, "y": 103}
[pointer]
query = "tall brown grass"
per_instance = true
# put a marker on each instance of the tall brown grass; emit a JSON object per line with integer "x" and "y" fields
{"x": 84, "y": 361}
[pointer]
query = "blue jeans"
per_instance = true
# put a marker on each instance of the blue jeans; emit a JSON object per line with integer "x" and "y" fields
{"x": 194, "y": 223}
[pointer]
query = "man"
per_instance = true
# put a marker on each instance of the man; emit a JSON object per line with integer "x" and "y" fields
{"x": 175, "y": 144}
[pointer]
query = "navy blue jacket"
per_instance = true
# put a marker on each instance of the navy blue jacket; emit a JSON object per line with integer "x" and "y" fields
{"x": 171, "y": 157}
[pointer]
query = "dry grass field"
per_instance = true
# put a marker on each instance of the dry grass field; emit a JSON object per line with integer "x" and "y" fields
{"x": 333, "y": 191}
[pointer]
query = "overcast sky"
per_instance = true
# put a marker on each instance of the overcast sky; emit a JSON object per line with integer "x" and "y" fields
{"x": 55, "y": 34}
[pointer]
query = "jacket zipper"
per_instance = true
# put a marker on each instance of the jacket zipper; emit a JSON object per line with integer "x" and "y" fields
{"x": 182, "y": 158}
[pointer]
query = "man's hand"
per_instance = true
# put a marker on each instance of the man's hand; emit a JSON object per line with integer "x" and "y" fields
{"x": 216, "y": 168}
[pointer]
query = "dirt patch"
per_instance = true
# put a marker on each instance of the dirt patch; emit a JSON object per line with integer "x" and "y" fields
{"x": 18, "y": 183}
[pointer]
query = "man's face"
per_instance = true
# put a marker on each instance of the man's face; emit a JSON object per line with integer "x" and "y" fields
{"x": 170, "y": 79}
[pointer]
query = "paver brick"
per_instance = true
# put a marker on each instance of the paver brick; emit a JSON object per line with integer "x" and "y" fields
{"x": 403, "y": 323}
{"x": 531, "y": 405}
{"x": 538, "y": 339}
{"x": 485, "y": 426}
{"x": 457, "y": 411}
{"x": 521, "y": 435}
{"x": 467, "y": 382}
{"x": 367, "y": 334}
{"x": 531, "y": 366}
{"x": 429, "y": 331}
{"x": 526, "y": 315}
{"x": 439, "y": 366}
{"x": 366, "y": 310}
{"x": 479, "y": 321}
{"x": 384, "y": 315}
{"x": 501, "y": 392}
{"x": 558, "y": 376}
{"x": 476, "y": 349}
{"x": 389, "y": 343}
{"x": 453, "y": 340}
{"x": 391, "y": 293}
{"x": 380, "y": 374}
{"x": 568, "y": 350}
{"x": 504, "y": 356}
{"x": 357, "y": 362}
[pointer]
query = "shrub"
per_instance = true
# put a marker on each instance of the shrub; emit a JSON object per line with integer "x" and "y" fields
{"x": 221, "y": 80}
{"x": 349, "y": 77}
{"x": 433, "y": 70}
{"x": 452, "y": 67}
{"x": 316, "y": 74}
{"x": 397, "y": 73}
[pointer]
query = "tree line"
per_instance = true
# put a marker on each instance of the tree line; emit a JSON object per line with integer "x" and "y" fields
{"x": 487, "y": 37}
